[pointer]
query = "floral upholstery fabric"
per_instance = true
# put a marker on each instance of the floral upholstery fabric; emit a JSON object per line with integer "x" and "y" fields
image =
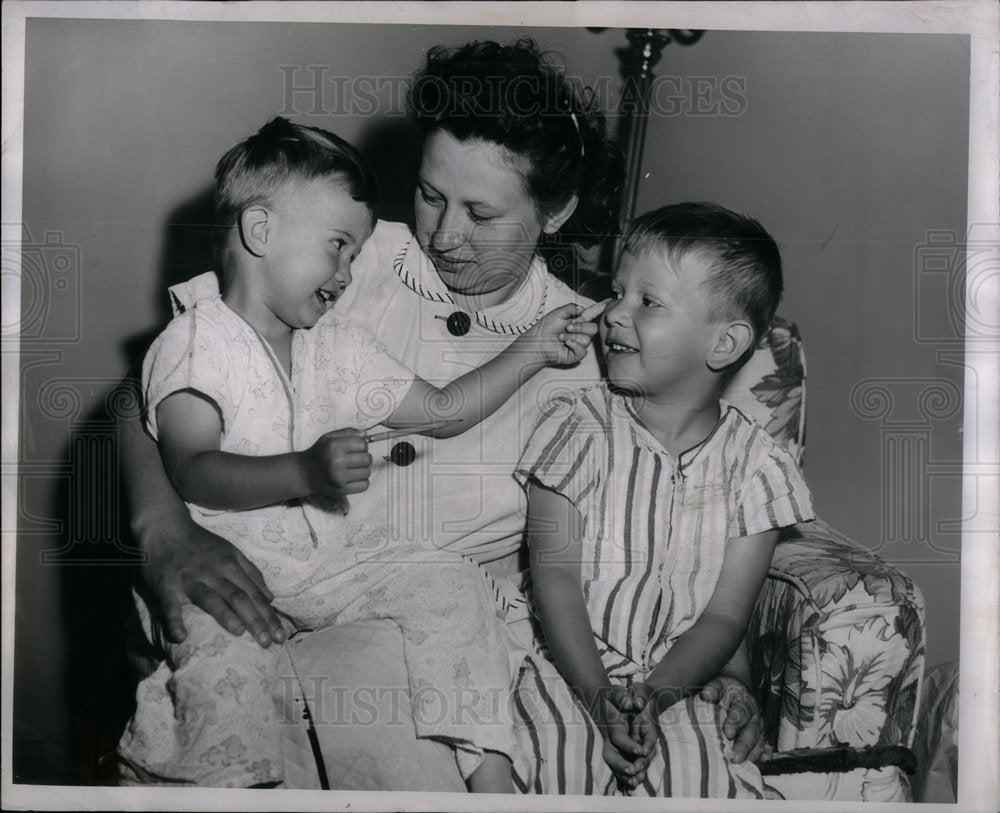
{"x": 837, "y": 636}
{"x": 837, "y": 645}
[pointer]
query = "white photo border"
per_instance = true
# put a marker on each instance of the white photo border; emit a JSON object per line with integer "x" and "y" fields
{"x": 979, "y": 731}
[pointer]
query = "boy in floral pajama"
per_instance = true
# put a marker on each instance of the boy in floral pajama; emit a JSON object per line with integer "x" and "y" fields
{"x": 242, "y": 400}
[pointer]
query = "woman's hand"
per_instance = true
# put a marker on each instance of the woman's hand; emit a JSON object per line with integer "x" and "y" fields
{"x": 741, "y": 720}
{"x": 187, "y": 564}
{"x": 563, "y": 335}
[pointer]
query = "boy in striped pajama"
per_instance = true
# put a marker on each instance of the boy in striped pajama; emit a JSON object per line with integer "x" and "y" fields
{"x": 653, "y": 512}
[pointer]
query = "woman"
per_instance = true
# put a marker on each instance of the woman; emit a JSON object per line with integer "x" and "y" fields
{"x": 512, "y": 159}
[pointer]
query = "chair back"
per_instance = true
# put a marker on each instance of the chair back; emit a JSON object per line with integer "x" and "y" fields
{"x": 771, "y": 387}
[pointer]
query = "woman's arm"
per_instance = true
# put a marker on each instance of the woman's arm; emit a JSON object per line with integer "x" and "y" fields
{"x": 709, "y": 645}
{"x": 184, "y": 563}
{"x": 560, "y": 337}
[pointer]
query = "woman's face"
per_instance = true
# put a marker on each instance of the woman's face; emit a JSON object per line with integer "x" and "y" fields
{"x": 475, "y": 219}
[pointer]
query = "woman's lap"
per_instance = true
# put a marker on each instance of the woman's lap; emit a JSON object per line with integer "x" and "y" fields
{"x": 457, "y": 668}
{"x": 354, "y": 679}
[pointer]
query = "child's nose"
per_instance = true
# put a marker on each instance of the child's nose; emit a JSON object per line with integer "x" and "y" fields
{"x": 615, "y": 314}
{"x": 343, "y": 275}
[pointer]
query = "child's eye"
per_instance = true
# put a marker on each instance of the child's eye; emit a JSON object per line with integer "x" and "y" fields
{"x": 616, "y": 294}
{"x": 477, "y": 218}
{"x": 338, "y": 243}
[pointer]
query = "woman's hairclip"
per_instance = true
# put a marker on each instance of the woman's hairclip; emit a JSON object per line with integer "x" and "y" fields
{"x": 576, "y": 124}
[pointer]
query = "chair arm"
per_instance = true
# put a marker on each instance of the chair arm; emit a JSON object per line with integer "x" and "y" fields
{"x": 836, "y": 645}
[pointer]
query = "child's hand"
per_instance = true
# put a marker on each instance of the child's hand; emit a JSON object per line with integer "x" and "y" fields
{"x": 336, "y": 465}
{"x": 644, "y": 722}
{"x": 621, "y": 751}
{"x": 563, "y": 335}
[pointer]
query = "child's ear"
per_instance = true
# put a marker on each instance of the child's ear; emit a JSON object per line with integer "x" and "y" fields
{"x": 732, "y": 340}
{"x": 255, "y": 229}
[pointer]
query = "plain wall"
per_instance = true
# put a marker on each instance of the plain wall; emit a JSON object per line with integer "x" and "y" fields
{"x": 849, "y": 148}
{"x": 853, "y": 152}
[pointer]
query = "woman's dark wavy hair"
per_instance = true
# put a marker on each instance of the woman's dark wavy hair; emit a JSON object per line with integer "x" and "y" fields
{"x": 510, "y": 95}
{"x": 255, "y": 169}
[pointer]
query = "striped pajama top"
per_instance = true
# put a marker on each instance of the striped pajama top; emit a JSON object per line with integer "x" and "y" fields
{"x": 655, "y": 528}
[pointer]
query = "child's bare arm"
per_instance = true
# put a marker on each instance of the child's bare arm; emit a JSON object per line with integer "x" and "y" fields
{"x": 183, "y": 562}
{"x": 554, "y": 534}
{"x": 190, "y": 434}
{"x": 709, "y": 644}
{"x": 555, "y": 555}
{"x": 738, "y": 666}
{"x": 560, "y": 337}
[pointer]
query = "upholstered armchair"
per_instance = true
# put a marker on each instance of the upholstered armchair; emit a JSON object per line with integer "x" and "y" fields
{"x": 837, "y": 637}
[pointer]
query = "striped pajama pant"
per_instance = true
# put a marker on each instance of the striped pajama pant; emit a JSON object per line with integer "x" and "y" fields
{"x": 559, "y": 746}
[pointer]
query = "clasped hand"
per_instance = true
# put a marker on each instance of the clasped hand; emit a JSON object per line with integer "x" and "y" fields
{"x": 629, "y": 721}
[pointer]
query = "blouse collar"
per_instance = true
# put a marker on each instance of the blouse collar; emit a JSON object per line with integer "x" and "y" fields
{"x": 513, "y": 316}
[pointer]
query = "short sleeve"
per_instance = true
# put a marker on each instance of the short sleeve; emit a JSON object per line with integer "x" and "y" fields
{"x": 775, "y": 496}
{"x": 357, "y": 369}
{"x": 566, "y": 451}
{"x": 187, "y": 355}
{"x": 185, "y": 295}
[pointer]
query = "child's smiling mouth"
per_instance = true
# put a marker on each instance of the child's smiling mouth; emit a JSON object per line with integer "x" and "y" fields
{"x": 619, "y": 347}
{"x": 326, "y": 297}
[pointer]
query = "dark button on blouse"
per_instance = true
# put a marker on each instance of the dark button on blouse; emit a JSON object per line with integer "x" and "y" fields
{"x": 458, "y": 323}
{"x": 402, "y": 454}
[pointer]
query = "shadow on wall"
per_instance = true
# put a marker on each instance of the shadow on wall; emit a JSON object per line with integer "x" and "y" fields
{"x": 95, "y": 561}
{"x": 94, "y": 557}
{"x": 187, "y": 252}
